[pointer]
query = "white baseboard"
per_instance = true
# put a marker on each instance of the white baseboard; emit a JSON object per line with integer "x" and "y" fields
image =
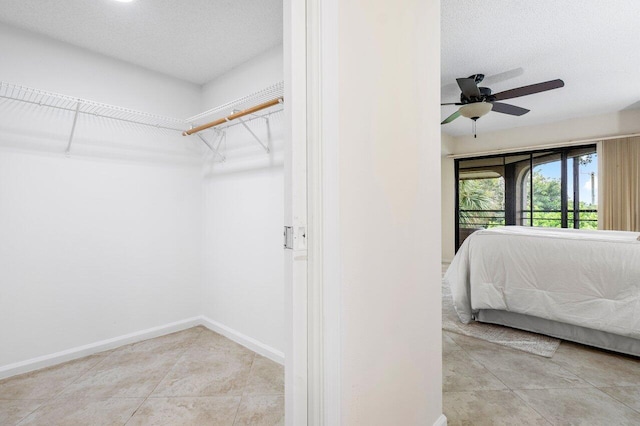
{"x": 93, "y": 348}
{"x": 104, "y": 345}
{"x": 244, "y": 340}
{"x": 442, "y": 421}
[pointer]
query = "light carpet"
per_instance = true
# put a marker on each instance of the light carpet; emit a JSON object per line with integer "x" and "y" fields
{"x": 537, "y": 344}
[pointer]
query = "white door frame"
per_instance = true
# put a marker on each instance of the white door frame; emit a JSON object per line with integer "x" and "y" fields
{"x": 312, "y": 357}
{"x": 324, "y": 303}
{"x": 295, "y": 199}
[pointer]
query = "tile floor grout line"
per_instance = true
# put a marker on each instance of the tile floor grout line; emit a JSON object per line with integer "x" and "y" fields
{"x": 485, "y": 367}
{"x": 55, "y": 396}
{"x": 262, "y": 394}
{"x": 606, "y": 395}
{"x": 504, "y": 390}
{"x": 536, "y": 411}
{"x": 575, "y": 374}
{"x": 110, "y": 351}
{"x": 253, "y": 362}
{"x": 235, "y": 417}
{"x": 621, "y": 402}
{"x": 29, "y": 415}
{"x": 165, "y": 376}
{"x": 615, "y": 399}
{"x": 586, "y": 379}
{"x": 553, "y": 388}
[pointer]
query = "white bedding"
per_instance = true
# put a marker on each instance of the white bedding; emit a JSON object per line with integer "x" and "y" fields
{"x": 579, "y": 277}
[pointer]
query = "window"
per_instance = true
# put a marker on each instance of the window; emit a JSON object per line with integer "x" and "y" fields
{"x": 502, "y": 190}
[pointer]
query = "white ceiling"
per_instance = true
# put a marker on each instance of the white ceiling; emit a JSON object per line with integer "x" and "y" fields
{"x": 593, "y": 45}
{"x": 194, "y": 40}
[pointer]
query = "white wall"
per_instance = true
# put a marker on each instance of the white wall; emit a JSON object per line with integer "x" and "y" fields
{"x": 104, "y": 243}
{"x": 37, "y": 61}
{"x": 252, "y": 76}
{"x": 577, "y": 129}
{"x": 93, "y": 250}
{"x": 389, "y": 217}
{"x": 448, "y": 199}
{"x": 243, "y": 281}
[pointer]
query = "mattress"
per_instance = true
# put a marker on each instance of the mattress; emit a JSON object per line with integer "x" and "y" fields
{"x": 589, "y": 279}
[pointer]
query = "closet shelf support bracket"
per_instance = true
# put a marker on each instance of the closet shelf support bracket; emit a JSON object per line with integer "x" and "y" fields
{"x": 73, "y": 130}
{"x": 215, "y": 150}
{"x": 264, "y": 146}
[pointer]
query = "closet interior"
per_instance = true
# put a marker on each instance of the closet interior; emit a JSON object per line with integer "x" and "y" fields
{"x": 137, "y": 203}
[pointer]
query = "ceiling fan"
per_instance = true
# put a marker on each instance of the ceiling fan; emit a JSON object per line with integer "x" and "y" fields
{"x": 477, "y": 101}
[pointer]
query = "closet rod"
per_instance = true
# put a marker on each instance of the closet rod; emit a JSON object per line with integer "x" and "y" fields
{"x": 239, "y": 114}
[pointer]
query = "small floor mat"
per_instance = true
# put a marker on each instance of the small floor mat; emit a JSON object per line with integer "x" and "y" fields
{"x": 537, "y": 344}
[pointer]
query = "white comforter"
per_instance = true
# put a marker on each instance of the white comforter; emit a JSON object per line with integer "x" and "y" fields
{"x": 586, "y": 278}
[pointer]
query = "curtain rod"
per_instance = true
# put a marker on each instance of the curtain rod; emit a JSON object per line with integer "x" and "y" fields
{"x": 540, "y": 147}
{"x": 234, "y": 116}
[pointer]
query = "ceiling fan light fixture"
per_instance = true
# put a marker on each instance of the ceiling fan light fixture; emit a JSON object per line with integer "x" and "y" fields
{"x": 476, "y": 110}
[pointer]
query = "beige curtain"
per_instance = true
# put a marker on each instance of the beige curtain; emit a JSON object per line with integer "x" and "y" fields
{"x": 619, "y": 161}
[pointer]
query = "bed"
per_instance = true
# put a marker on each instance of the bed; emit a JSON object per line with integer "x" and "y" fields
{"x": 578, "y": 285}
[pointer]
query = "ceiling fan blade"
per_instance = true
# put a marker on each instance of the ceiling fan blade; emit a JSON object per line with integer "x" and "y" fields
{"x": 490, "y": 80}
{"x": 450, "y": 90}
{"x": 452, "y": 103}
{"x": 469, "y": 87}
{"x": 452, "y": 117}
{"x": 508, "y": 109}
{"x": 529, "y": 90}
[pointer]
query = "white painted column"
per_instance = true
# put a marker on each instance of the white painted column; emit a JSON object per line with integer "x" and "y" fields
{"x": 380, "y": 136}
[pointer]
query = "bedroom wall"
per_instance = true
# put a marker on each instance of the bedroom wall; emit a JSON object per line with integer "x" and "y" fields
{"x": 620, "y": 123}
{"x": 243, "y": 281}
{"x": 105, "y": 243}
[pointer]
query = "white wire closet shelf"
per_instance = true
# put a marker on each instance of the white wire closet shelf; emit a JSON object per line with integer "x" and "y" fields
{"x": 43, "y": 98}
{"x": 79, "y": 106}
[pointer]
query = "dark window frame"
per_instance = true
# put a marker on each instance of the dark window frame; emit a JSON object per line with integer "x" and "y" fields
{"x": 565, "y": 208}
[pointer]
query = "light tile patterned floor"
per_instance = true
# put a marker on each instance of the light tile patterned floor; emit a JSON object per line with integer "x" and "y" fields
{"x": 194, "y": 377}
{"x": 489, "y": 384}
{"x": 197, "y": 377}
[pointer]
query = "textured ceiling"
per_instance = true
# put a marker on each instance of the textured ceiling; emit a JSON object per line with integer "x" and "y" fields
{"x": 593, "y": 45}
{"x": 194, "y": 40}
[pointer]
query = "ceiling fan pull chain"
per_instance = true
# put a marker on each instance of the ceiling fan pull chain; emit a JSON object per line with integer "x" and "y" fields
{"x": 474, "y": 128}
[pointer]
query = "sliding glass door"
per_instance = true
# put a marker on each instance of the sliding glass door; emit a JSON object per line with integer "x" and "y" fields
{"x": 549, "y": 188}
